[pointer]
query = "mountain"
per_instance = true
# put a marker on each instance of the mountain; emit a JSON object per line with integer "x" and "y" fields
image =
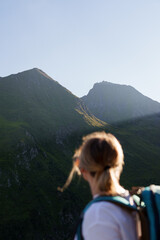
{"x": 113, "y": 103}
{"x": 34, "y": 98}
{"x": 41, "y": 124}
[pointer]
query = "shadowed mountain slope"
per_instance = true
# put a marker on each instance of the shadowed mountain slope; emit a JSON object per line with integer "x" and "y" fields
{"x": 114, "y": 103}
{"x": 41, "y": 124}
{"x": 34, "y": 98}
{"x": 40, "y": 121}
{"x": 140, "y": 140}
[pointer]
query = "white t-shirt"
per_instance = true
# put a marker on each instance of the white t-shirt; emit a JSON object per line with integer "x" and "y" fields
{"x": 107, "y": 221}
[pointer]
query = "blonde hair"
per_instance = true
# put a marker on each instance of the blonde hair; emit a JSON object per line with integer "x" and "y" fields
{"x": 100, "y": 154}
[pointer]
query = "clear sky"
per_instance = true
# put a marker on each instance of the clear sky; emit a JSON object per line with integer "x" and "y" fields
{"x": 80, "y": 42}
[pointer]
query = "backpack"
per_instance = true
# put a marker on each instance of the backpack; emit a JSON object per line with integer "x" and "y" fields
{"x": 147, "y": 205}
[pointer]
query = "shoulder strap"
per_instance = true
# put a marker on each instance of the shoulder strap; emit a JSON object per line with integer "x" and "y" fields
{"x": 121, "y": 201}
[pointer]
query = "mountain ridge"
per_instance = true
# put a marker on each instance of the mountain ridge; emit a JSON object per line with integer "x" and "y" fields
{"x": 123, "y": 85}
{"x": 36, "y": 69}
{"x": 118, "y": 84}
{"x": 41, "y": 124}
{"x": 44, "y": 87}
{"x": 112, "y": 102}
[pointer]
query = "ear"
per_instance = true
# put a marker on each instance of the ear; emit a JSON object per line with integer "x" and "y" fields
{"x": 84, "y": 174}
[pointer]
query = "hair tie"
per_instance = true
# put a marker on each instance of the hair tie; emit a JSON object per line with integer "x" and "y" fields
{"x": 106, "y": 168}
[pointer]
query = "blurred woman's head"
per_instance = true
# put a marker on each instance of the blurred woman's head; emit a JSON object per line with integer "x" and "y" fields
{"x": 101, "y": 156}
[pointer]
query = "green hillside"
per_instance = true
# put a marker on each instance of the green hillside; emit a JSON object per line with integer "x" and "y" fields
{"x": 140, "y": 138}
{"x": 41, "y": 123}
{"x": 35, "y": 98}
{"x": 37, "y": 118}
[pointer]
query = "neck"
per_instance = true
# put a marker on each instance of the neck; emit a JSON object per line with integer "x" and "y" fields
{"x": 95, "y": 190}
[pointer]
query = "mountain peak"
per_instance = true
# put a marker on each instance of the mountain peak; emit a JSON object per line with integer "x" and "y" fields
{"x": 37, "y": 70}
{"x": 110, "y": 84}
{"x": 30, "y": 72}
{"x": 113, "y": 102}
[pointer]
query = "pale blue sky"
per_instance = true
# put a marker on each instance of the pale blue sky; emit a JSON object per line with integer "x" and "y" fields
{"x": 80, "y": 42}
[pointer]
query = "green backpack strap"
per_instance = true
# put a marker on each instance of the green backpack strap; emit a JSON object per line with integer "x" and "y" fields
{"x": 151, "y": 197}
{"x": 114, "y": 199}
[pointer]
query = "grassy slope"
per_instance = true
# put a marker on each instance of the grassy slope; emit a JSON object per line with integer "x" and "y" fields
{"x": 140, "y": 140}
{"x": 31, "y": 95}
{"x": 37, "y": 119}
{"x": 41, "y": 126}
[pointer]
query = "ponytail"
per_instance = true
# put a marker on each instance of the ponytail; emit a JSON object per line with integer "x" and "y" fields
{"x": 107, "y": 181}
